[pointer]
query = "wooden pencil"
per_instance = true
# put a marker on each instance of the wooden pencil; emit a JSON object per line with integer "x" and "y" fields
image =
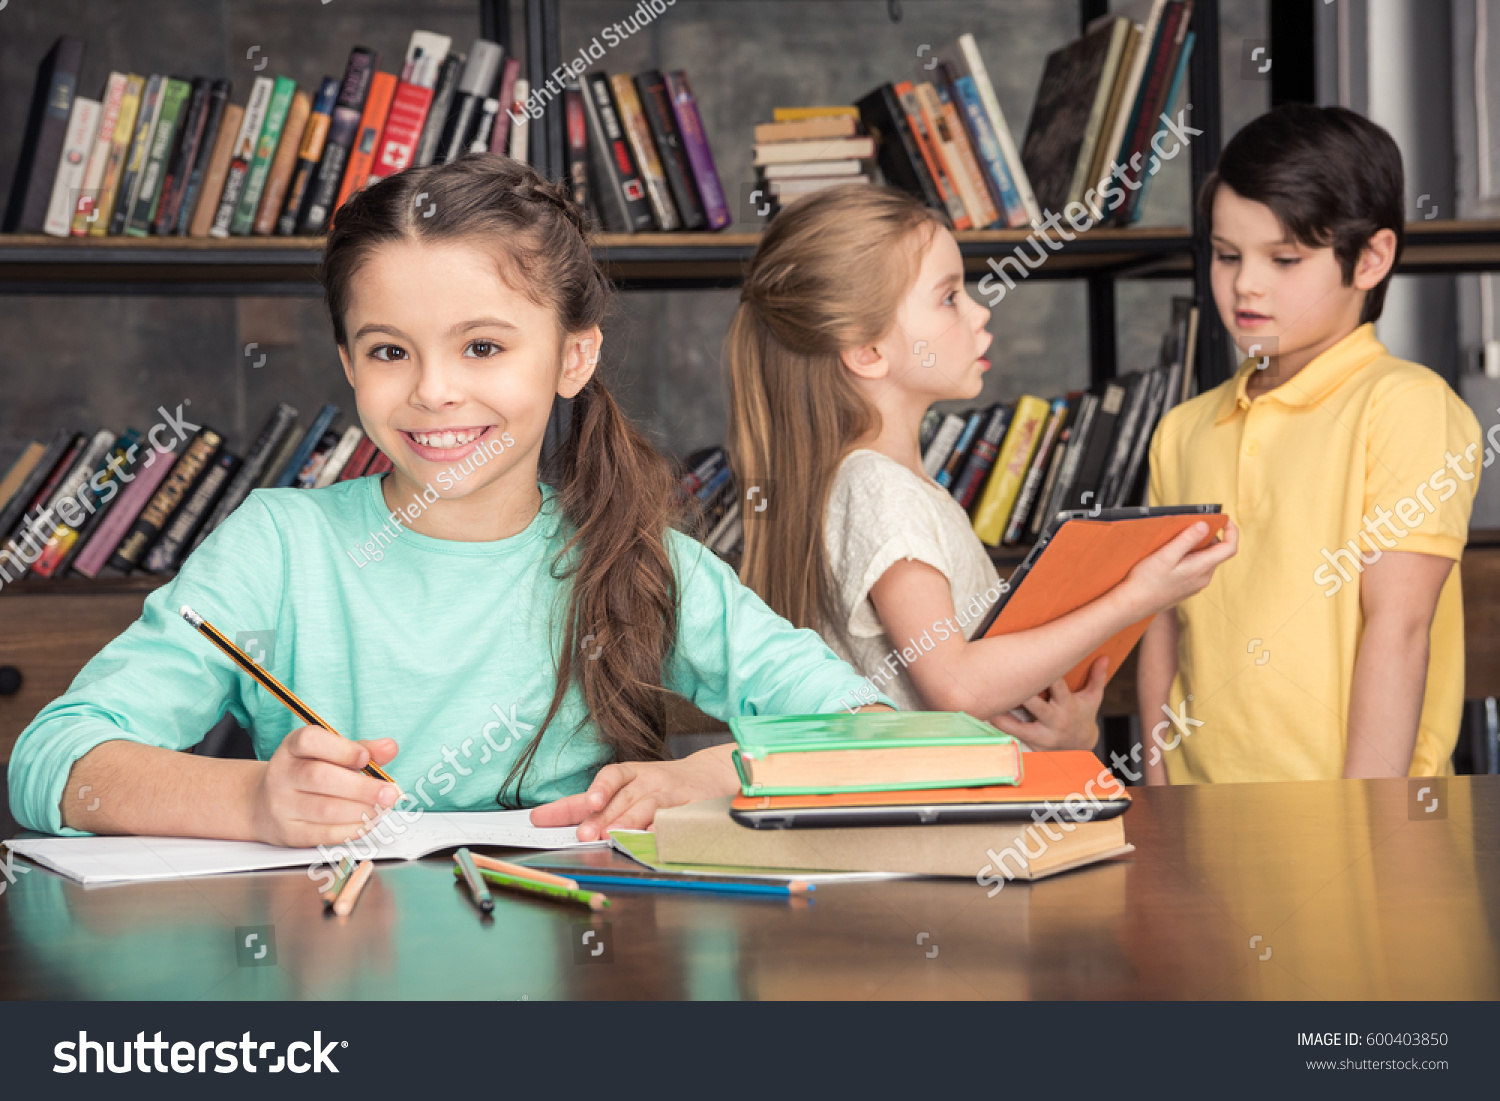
{"x": 350, "y": 894}
{"x": 273, "y": 686}
{"x": 523, "y": 872}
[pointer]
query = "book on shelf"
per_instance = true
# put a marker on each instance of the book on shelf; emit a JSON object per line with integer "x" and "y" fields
{"x": 342, "y": 129}
{"x": 520, "y": 123}
{"x": 476, "y": 83}
{"x": 926, "y": 142}
{"x": 982, "y": 455}
{"x": 617, "y": 186}
{"x": 1041, "y": 462}
{"x": 940, "y": 447}
{"x": 695, "y": 141}
{"x": 411, "y": 103}
{"x": 278, "y": 106}
{"x": 576, "y": 157}
{"x": 445, "y": 85}
{"x": 196, "y": 456}
{"x": 510, "y": 72}
{"x": 168, "y": 550}
{"x": 963, "y": 60}
{"x": 309, "y": 156}
{"x": 42, "y": 141}
{"x": 135, "y": 158}
{"x": 638, "y": 133}
{"x": 94, "y": 500}
{"x": 310, "y": 442}
{"x": 174, "y": 97}
{"x": 279, "y": 177}
{"x": 244, "y": 153}
{"x": 994, "y": 505}
{"x": 67, "y": 184}
{"x": 98, "y": 219}
{"x": 656, "y": 105}
{"x": 973, "y": 421}
{"x": 216, "y": 171}
{"x": 362, "y": 152}
{"x": 179, "y": 163}
{"x": 902, "y": 159}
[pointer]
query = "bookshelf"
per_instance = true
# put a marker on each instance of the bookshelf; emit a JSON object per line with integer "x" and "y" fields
{"x": 284, "y": 267}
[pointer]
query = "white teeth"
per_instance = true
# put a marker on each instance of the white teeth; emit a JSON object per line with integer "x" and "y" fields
{"x": 446, "y": 439}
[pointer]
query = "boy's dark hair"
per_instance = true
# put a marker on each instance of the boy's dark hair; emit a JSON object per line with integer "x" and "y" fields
{"x": 1330, "y": 175}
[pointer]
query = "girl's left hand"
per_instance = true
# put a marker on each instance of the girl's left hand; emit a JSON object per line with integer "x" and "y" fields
{"x": 628, "y": 795}
{"x": 1068, "y": 720}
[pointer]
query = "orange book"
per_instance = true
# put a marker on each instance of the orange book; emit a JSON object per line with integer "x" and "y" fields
{"x": 280, "y": 176}
{"x": 906, "y": 94}
{"x": 218, "y": 169}
{"x": 969, "y": 163}
{"x": 1082, "y": 562}
{"x": 367, "y": 139}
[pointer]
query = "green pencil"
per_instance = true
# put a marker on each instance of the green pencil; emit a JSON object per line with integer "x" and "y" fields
{"x": 592, "y": 899}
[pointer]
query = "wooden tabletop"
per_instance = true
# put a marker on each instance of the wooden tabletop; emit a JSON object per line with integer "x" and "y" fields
{"x": 1327, "y": 890}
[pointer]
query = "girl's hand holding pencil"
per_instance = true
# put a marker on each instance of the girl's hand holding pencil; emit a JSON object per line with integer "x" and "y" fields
{"x": 313, "y": 792}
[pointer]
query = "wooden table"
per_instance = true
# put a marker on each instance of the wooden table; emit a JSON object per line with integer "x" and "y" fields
{"x": 1328, "y": 890}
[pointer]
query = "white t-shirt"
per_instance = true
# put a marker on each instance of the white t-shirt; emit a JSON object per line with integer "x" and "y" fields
{"x": 878, "y": 513}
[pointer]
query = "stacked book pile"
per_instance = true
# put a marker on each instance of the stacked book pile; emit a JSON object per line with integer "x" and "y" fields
{"x": 805, "y": 149}
{"x": 88, "y": 503}
{"x": 925, "y": 793}
{"x": 1015, "y": 465}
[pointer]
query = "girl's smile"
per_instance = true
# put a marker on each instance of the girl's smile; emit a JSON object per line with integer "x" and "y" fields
{"x": 445, "y": 445}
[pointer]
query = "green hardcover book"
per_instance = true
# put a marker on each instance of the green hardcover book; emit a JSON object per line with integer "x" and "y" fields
{"x": 174, "y": 95}
{"x": 849, "y": 751}
{"x": 265, "y": 152}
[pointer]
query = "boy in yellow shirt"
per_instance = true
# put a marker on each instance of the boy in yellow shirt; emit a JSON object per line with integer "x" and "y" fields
{"x": 1333, "y": 643}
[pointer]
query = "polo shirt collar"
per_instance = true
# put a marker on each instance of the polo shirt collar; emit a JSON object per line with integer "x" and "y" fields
{"x": 1314, "y": 382}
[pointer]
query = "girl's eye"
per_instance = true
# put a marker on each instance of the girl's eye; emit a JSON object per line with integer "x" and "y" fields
{"x": 1288, "y": 261}
{"x": 1225, "y": 257}
{"x": 483, "y": 349}
{"x": 950, "y": 298}
{"x": 387, "y": 353}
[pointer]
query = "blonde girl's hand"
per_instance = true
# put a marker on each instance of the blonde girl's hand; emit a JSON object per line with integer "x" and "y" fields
{"x": 628, "y": 795}
{"x": 312, "y": 791}
{"x": 1064, "y": 719}
{"x": 1177, "y": 571}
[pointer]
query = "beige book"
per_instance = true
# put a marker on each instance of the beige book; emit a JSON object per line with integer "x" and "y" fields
{"x": 837, "y": 126}
{"x": 830, "y": 149}
{"x": 988, "y": 852}
{"x": 218, "y": 169}
{"x": 280, "y": 176}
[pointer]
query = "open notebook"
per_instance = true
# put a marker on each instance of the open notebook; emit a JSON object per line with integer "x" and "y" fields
{"x": 102, "y": 860}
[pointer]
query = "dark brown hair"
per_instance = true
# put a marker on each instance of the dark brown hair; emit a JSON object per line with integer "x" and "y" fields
{"x": 829, "y": 274}
{"x": 615, "y": 490}
{"x": 1331, "y": 177}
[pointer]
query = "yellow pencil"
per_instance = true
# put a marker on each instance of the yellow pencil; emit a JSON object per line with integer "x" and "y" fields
{"x": 272, "y": 685}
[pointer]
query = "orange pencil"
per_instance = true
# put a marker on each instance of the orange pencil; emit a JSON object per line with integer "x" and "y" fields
{"x": 350, "y": 894}
{"x": 523, "y": 872}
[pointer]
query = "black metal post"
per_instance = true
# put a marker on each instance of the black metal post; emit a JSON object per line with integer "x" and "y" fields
{"x": 494, "y": 24}
{"x": 1103, "y": 347}
{"x": 1203, "y": 83}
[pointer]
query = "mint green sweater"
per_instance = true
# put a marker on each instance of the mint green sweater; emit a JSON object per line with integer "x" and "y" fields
{"x": 447, "y": 647}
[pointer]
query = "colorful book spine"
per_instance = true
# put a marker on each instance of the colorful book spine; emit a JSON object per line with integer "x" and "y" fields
{"x": 314, "y": 137}
{"x": 575, "y": 129}
{"x": 695, "y": 142}
{"x": 62, "y": 502}
{"x": 403, "y": 130}
{"x": 185, "y": 473}
{"x": 273, "y": 198}
{"x": 371, "y": 124}
{"x": 656, "y": 104}
{"x": 148, "y": 474}
{"x": 355, "y": 467}
{"x": 174, "y": 97}
{"x": 277, "y": 108}
{"x": 168, "y": 550}
{"x": 996, "y": 176}
{"x": 906, "y": 93}
{"x": 1036, "y": 472}
{"x": 67, "y": 181}
{"x": 380, "y": 464}
{"x": 960, "y": 454}
{"x": 244, "y": 153}
{"x": 119, "y": 150}
{"x": 973, "y": 65}
{"x": 982, "y": 457}
{"x": 310, "y": 443}
{"x": 475, "y": 83}
{"x": 500, "y": 135}
{"x": 342, "y": 130}
{"x": 443, "y": 90}
{"x": 1010, "y": 469}
{"x": 180, "y": 162}
{"x": 216, "y": 171}
{"x": 277, "y": 429}
{"x": 989, "y": 214}
{"x": 140, "y": 148}
{"x": 103, "y": 487}
{"x": 638, "y": 133}
{"x": 1133, "y": 209}
{"x": 93, "y": 177}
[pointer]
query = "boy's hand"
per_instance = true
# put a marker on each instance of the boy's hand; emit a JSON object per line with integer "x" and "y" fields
{"x": 312, "y": 791}
{"x": 628, "y": 795}
{"x": 1066, "y": 720}
{"x": 1177, "y": 571}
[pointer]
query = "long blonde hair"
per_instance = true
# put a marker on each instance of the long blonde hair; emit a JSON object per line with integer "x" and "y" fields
{"x": 829, "y": 274}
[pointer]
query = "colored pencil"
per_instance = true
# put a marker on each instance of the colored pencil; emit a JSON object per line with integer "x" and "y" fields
{"x": 350, "y": 894}
{"x": 524, "y": 872}
{"x": 465, "y": 860}
{"x": 695, "y": 884}
{"x": 346, "y": 868}
{"x": 272, "y": 685}
{"x": 592, "y": 899}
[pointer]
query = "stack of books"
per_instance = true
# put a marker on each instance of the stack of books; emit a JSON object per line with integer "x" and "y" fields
{"x": 805, "y": 149}
{"x": 638, "y": 156}
{"x": 1099, "y": 110}
{"x": 91, "y": 503}
{"x": 1013, "y": 466}
{"x": 943, "y": 138}
{"x": 174, "y": 156}
{"x": 927, "y": 793}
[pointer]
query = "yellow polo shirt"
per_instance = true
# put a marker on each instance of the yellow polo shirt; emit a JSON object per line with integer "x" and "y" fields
{"x": 1267, "y": 650}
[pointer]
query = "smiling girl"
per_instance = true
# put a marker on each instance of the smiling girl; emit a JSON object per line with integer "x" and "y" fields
{"x": 853, "y": 321}
{"x": 560, "y": 604}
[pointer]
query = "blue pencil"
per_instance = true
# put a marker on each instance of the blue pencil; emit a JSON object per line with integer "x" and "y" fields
{"x": 771, "y": 888}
